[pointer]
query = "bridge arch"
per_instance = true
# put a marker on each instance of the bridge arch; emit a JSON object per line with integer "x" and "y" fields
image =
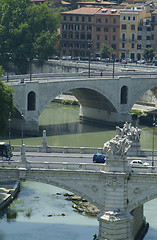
{"x": 143, "y": 198}
{"x": 92, "y": 97}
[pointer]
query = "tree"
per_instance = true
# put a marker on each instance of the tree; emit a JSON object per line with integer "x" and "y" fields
{"x": 148, "y": 54}
{"x": 106, "y": 51}
{"x": 27, "y": 32}
{"x": 6, "y": 105}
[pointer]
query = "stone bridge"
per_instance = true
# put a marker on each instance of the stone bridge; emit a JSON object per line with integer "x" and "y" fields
{"x": 101, "y": 99}
{"x": 116, "y": 188}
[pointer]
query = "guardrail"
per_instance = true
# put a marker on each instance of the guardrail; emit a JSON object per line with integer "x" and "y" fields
{"x": 59, "y": 149}
{"x": 53, "y": 166}
{"x": 66, "y": 149}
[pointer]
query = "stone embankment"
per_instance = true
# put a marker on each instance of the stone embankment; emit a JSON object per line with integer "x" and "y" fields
{"x": 8, "y": 191}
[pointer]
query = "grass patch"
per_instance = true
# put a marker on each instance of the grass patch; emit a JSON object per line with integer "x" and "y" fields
{"x": 70, "y": 102}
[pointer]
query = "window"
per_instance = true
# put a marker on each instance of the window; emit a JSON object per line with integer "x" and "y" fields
{"x": 138, "y": 46}
{"x": 83, "y": 27}
{"x": 77, "y": 27}
{"x": 106, "y": 20}
{"x": 105, "y": 38}
{"x": 64, "y": 18}
{"x": 114, "y": 38}
{"x": 89, "y": 19}
{"x": 133, "y": 18}
{"x": 123, "y": 26}
{"x": 64, "y": 35}
{"x": 133, "y": 27}
{"x": 105, "y": 29}
{"x": 132, "y": 45}
{"x": 114, "y": 29}
{"x": 89, "y": 28}
{"x": 76, "y": 35}
{"x": 82, "y": 35}
{"x": 129, "y": 18}
{"x": 123, "y": 45}
{"x": 98, "y": 37}
{"x": 152, "y": 36}
{"x": 114, "y": 20}
{"x": 148, "y": 38}
{"x": 148, "y": 29}
{"x": 71, "y": 35}
{"x": 153, "y": 19}
{"x": 64, "y": 27}
{"x": 98, "y": 20}
{"x": 31, "y": 101}
{"x": 98, "y": 45}
{"x": 77, "y": 18}
{"x": 133, "y": 37}
{"x": 124, "y": 95}
{"x": 113, "y": 46}
{"x": 70, "y": 27}
{"x": 123, "y": 36}
{"x": 139, "y": 28}
{"x": 139, "y": 37}
{"x": 89, "y": 36}
{"x": 71, "y": 18}
{"x": 124, "y": 18}
{"x": 83, "y": 18}
{"x": 98, "y": 29}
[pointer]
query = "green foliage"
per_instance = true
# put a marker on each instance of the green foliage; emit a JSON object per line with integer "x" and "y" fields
{"x": 148, "y": 54}
{"x": 26, "y": 32}
{"x": 70, "y": 102}
{"x": 6, "y": 105}
{"x": 106, "y": 51}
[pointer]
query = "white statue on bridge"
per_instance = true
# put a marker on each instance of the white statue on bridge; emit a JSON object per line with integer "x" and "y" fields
{"x": 117, "y": 146}
{"x": 132, "y": 133}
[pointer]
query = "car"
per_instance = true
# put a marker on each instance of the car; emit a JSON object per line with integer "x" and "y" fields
{"x": 98, "y": 158}
{"x": 141, "y": 61}
{"x": 139, "y": 163}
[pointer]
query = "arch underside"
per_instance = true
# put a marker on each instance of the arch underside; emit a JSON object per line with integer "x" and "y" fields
{"x": 93, "y": 99}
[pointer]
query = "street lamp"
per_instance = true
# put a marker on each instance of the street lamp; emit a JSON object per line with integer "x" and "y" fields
{"x": 113, "y": 59}
{"x": 153, "y": 142}
{"x": 22, "y": 127}
{"x": 89, "y": 46}
{"x": 9, "y": 120}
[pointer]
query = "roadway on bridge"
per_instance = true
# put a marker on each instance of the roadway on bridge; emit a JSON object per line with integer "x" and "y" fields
{"x": 71, "y": 157}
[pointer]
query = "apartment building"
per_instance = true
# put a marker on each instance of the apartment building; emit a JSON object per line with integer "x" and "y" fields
{"x": 131, "y": 19}
{"x": 84, "y": 31}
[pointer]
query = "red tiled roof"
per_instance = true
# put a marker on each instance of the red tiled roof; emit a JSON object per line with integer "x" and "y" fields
{"x": 84, "y": 10}
{"x": 97, "y": 3}
{"x": 94, "y": 11}
{"x": 65, "y": 3}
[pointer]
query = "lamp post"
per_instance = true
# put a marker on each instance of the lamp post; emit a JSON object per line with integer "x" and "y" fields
{"x": 153, "y": 142}
{"x": 22, "y": 127}
{"x": 89, "y": 46}
{"x": 9, "y": 120}
{"x": 113, "y": 59}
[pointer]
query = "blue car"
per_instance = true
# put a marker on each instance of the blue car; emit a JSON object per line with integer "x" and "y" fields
{"x": 98, "y": 158}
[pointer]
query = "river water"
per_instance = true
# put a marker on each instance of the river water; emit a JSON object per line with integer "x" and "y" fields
{"x": 40, "y": 207}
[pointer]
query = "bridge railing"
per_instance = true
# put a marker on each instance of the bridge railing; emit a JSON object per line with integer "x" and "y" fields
{"x": 54, "y": 166}
{"x": 59, "y": 149}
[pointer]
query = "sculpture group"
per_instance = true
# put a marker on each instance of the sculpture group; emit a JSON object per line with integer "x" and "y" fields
{"x": 128, "y": 136}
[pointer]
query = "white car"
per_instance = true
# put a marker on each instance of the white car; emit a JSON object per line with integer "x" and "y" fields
{"x": 139, "y": 163}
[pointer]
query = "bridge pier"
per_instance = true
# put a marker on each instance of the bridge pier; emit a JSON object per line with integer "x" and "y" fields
{"x": 115, "y": 225}
{"x": 102, "y": 116}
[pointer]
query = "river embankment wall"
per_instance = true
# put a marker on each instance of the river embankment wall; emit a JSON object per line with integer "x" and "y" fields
{"x": 8, "y": 192}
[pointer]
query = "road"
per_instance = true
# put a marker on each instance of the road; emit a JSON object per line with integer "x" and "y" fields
{"x": 69, "y": 157}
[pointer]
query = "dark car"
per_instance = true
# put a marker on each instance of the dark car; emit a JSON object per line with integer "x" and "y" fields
{"x": 5, "y": 150}
{"x": 98, "y": 158}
